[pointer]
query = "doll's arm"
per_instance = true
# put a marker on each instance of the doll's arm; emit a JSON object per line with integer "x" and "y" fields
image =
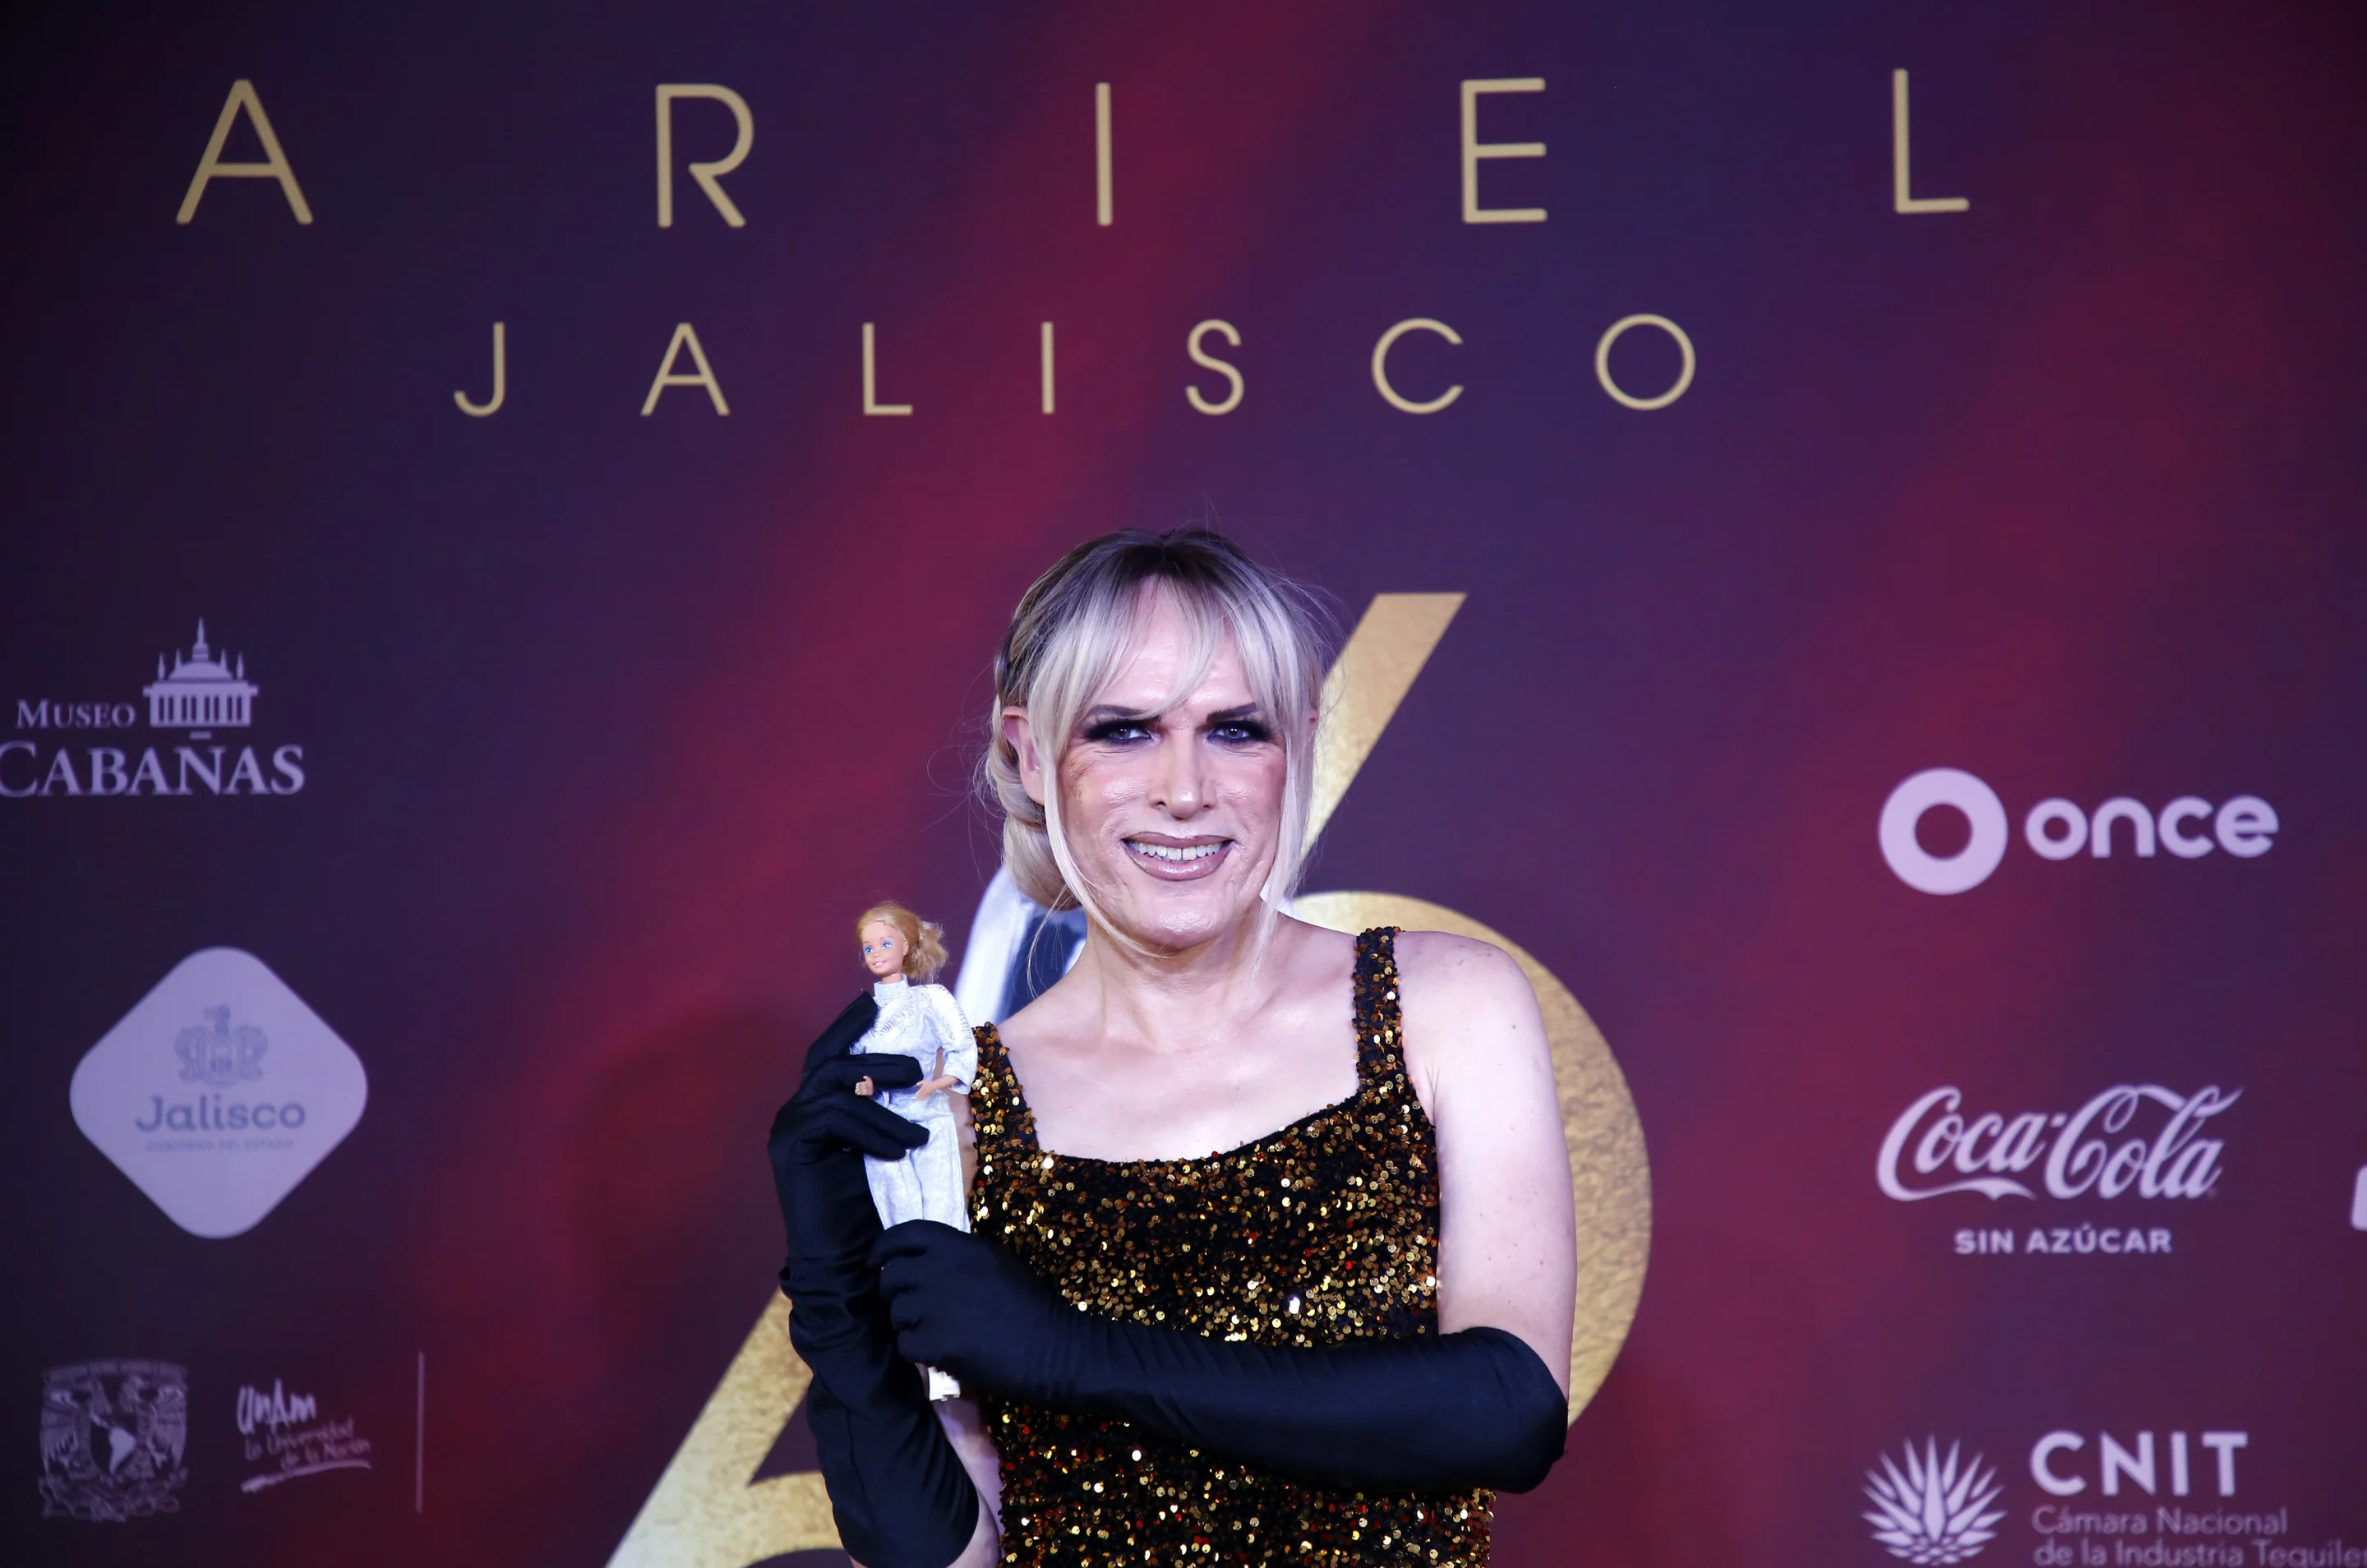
{"x": 955, "y": 1034}
{"x": 937, "y": 1082}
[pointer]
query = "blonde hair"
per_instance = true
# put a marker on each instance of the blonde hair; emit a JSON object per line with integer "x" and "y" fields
{"x": 1072, "y": 629}
{"x": 924, "y": 940}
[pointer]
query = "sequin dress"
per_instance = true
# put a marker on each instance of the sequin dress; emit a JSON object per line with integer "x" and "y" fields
{"x": 1319, "y": 1234}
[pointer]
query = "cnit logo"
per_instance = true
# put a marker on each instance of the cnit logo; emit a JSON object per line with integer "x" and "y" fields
{"x": 2055, "y": 1462}
{"x": 2188, "y": 827}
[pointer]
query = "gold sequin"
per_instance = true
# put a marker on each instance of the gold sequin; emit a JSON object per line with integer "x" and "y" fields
{"x": 1322, "y": 1233}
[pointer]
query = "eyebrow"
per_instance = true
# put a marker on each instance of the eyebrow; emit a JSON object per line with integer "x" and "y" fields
{"x": 1109, "y": 712}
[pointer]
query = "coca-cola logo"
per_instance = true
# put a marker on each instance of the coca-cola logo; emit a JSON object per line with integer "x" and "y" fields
{"x": 1933, "y": 1148}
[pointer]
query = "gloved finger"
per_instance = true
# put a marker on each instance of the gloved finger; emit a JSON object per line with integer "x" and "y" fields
{"x": 914, "y": 1239}
{"x": 889, "y": 1070}
{"x": 853, "y": 1023}
{"x": 860, "y": 1124}
{"x": 902, "y": 1278}
{"x": 905, "y": 1311}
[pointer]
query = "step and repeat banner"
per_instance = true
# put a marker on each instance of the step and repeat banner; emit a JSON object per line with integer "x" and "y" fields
{"x": 1852, "y": 520}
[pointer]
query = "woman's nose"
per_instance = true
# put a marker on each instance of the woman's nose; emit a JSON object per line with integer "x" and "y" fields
{"x": 1181, "y": 789}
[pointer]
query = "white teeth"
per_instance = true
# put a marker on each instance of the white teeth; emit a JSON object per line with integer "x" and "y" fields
{"x": 1174, "y": 853}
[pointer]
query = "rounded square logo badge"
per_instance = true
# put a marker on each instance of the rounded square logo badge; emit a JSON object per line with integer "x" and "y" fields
{"x": 218, "y": 1092}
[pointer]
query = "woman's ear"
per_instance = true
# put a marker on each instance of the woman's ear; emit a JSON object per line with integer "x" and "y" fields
{"x": 1021, "y": 737}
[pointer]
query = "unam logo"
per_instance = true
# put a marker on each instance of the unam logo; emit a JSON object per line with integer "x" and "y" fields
{"x": 1933, "y": 1510}
{"x": 2055, "y": 830}
{"x": 113, "y": 1434}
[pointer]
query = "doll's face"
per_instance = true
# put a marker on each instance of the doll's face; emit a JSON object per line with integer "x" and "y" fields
{"x": 883, "y": 950}
{"x": 1173, "y": 818}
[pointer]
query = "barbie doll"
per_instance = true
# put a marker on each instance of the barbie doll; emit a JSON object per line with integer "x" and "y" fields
{"x": 921, "y": 1020}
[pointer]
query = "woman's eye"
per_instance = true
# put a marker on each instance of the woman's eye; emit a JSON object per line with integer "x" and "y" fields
{"x": 1241, "y": 732}
{"x": 1120, "y": 731}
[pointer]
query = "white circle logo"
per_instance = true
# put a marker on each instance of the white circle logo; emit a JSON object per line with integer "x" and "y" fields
{"x": 1969, "y": 867}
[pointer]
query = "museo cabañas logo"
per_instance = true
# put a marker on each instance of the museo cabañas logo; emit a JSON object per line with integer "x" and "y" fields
{"x": 198, "y": 715}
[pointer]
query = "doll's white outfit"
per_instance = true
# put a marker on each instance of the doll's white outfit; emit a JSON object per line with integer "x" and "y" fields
{"x": 926, "y": 1183}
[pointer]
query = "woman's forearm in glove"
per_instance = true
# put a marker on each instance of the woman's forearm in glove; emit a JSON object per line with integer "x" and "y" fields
{"x": 1434, "y": 1413}
{"x": 896, "y": 1486}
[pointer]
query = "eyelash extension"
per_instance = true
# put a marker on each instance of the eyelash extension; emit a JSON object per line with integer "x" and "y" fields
{"x": 1247, "y": 729}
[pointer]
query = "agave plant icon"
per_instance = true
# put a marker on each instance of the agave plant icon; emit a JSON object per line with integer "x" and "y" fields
{"x": 1936, "y": 1510}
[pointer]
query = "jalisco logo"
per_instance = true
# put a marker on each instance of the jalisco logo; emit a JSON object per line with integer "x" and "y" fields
{"x": 1933, "y": 1510}
{"x": 2057, "y": 829}
{"x": 203, "y": 691}
{"x": 2074, "y": 1154}
{"x": 218, "y": 1092}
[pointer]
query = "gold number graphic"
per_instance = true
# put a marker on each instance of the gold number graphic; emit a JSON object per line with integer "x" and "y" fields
{"x": 706, "y": 1513}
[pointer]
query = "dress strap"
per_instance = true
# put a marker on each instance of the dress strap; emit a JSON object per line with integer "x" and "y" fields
{"x": 1379, "y": 1057}
{"x": 999, "y": 1113}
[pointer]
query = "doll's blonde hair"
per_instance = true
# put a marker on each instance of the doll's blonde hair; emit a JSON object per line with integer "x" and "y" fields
{"x": 924, "y": 940}
{"x": 1068, "y": 638}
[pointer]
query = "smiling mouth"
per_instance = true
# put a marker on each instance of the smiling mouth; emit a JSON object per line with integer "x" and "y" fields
{"x": 1178, "y": 861}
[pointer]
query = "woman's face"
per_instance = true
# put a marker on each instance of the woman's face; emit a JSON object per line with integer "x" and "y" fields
{"x": 883, "y": 950}
{"x": 1173, "y": 818}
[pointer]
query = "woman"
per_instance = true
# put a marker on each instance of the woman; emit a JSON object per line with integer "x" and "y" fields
{"x": 1273, "y": 1241}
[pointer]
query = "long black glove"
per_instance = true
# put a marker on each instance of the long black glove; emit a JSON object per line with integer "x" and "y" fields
{"x": 897, "y": 1489}
{"x": 1444, "y": 1413}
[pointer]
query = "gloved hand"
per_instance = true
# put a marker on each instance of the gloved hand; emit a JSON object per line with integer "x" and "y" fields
{"x": 897, "y": 1489}
{"x": 817, "y": 1144}
{"x": 1437, "y": 1414}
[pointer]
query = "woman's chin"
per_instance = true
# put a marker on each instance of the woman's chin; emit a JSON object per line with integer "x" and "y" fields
{"x": 1176, "y": 916}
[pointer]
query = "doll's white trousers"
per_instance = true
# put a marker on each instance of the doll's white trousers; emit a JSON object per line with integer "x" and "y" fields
{"x": 925, "y": 1184}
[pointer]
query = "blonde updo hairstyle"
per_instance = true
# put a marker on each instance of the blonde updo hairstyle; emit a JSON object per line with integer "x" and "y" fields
{"x": 924, "y": 940}
{"x": 1069, "y": 634}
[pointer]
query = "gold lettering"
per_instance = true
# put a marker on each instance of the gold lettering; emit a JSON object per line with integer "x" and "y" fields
{"x": 1105, "y": 185}
{"x": 684, "y": 337}
{"x": 1208, "y": 361}
{"x": 1473, "y": 149}
{"x": 275, "y": 165}
{"x": 707, "y": 174}
{"x": 1685, "y": 361}
{"x": 1381, "y": 365}
{"x": 1900, "y": 183}
{"x": 500, "y": 380}
{"x": 871, "y": 403}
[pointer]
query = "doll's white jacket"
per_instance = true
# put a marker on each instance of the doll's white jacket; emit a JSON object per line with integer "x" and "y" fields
{"x": 919, "y": 1022}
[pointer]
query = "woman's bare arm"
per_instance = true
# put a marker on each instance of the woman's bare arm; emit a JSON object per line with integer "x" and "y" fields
{"x": 1476, "y": 1048}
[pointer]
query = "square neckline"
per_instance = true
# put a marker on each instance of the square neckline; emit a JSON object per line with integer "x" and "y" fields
{"x": 1379, "y": 1058}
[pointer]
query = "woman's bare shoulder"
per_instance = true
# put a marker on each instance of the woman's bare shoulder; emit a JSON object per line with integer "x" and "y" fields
{"x": 1460, "y": 970}
{"x": 1470, "y": 1012}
